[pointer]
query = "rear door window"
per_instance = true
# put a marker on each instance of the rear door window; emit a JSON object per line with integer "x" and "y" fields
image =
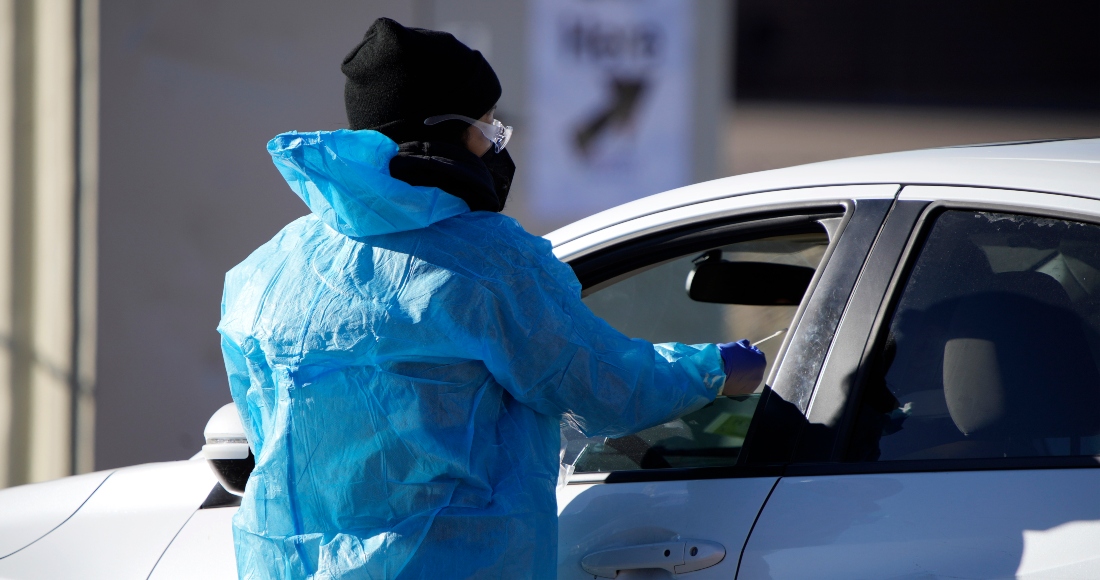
{"x": 993, "y": 347}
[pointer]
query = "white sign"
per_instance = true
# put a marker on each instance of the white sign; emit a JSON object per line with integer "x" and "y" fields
{"x": 611, "y": 103}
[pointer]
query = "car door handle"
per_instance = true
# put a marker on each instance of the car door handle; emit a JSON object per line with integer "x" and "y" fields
{"x": 678, "y": 557}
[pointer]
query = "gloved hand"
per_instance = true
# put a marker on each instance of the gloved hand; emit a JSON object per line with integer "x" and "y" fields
{"x": 744, "y": 366}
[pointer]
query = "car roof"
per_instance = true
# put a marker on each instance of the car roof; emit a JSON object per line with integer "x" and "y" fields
{"x": 1063, "y": 166}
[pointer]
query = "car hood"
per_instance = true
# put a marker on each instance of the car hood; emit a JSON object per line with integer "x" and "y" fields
{"x": 32, "y": 511}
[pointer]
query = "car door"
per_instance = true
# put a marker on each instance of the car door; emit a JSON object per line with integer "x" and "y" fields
{"x": 955, "y": 430}
{"x": 681, "y": 497}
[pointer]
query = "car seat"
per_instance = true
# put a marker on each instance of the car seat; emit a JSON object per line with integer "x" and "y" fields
{"x": 1017, "y": 369}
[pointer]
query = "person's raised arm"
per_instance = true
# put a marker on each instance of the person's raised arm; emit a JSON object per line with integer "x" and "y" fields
{"x": 544, "y": 345}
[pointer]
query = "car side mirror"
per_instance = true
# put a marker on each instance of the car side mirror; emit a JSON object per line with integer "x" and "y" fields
{"x": 227, "y": 450}
{"x": 753, "y": 283}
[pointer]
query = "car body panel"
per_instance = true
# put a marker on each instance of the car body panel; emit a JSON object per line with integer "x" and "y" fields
{"x": 594, "y": 517}
{"x": 1020, "y": 200}
{"x": 966, "y": 524}
{"x": 625, "y": 229}
{"x": 122, "y": 529}
{"x": 1069, "y": 167}
{"x": 202, "y": 549}
{"x": 32, "y": 511}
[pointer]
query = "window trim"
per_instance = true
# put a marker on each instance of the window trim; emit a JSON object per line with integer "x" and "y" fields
{"x": 679, "y": 474}
{"x": 818, "y": 469}
{"x": 672, "y": 243}
{"x": 837, "y": 464}
{"x": 840, "y": 380}
{"x": 942, "y": 465}
{"x": 606, "y": 264}
{"x": 778, "y": 428}
{"x": 679, "y": 241}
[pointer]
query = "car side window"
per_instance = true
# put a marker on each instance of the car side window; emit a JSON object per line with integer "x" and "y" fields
{"x": 686, "y": 299}
{"x": 993, "y": 347}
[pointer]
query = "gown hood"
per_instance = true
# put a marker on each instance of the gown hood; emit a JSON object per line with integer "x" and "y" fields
{"x": 344, "y": 178}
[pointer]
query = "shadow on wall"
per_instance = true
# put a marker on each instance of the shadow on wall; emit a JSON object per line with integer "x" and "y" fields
{"x": 769, "y": 135}
{"x": 191, "y": 92}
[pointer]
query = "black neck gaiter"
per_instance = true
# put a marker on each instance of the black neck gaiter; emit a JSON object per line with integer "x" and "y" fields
{"x": 450, "y": 167}
{"x": 502, "y": 170}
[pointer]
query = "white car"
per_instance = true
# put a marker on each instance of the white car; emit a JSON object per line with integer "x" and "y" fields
{"x": 931, "y": 407}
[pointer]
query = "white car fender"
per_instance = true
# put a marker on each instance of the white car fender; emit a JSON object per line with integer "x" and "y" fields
{"x": 29, "y": 512}
{"x": 122, "y": 529}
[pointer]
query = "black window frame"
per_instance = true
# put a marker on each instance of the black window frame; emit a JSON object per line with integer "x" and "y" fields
{"x": 835, "y": 459}
{"x": 849, "y": 244}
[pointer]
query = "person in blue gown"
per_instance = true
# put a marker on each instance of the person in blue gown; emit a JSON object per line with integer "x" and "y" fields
{"x": 402, "y": 356}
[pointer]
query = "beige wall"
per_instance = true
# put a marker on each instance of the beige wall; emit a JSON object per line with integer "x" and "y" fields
{"x": 46, "y": 208}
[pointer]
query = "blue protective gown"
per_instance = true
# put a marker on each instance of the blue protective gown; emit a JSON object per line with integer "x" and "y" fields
{"x": 401, "y": 365}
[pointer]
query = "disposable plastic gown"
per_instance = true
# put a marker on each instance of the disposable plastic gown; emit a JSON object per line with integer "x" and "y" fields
{"x": 401, "y": 365}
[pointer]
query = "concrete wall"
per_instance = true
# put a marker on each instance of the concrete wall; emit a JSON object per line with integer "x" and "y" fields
{"x": 191, "y": 92}
{"x": 769, "y": 135}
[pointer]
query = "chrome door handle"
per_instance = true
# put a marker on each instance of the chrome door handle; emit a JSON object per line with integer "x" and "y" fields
{"x": 678, "y": 557}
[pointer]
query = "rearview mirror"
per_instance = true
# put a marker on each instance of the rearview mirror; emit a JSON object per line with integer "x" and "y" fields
{"x": 753, "y": 283}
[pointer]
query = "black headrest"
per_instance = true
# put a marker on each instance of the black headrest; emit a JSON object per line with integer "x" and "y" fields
{"x": 1017, "y": 364}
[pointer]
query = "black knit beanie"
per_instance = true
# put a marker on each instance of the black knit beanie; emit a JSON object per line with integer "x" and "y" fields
{"x": 398, "y": 76}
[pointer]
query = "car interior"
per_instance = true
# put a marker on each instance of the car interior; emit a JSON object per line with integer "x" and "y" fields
{"x": 748, "y": 288}
{"x": 993, "y": 347}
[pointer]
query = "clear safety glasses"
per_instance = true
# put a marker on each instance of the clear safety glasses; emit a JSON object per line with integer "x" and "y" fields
{"x": 498, "y": 133}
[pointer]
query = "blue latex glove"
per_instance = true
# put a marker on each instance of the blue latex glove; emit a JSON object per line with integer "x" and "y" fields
{"x": 744, "y": 365}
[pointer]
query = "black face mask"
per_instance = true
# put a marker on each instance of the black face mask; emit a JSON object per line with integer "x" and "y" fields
{"x": 502, "y": 170}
